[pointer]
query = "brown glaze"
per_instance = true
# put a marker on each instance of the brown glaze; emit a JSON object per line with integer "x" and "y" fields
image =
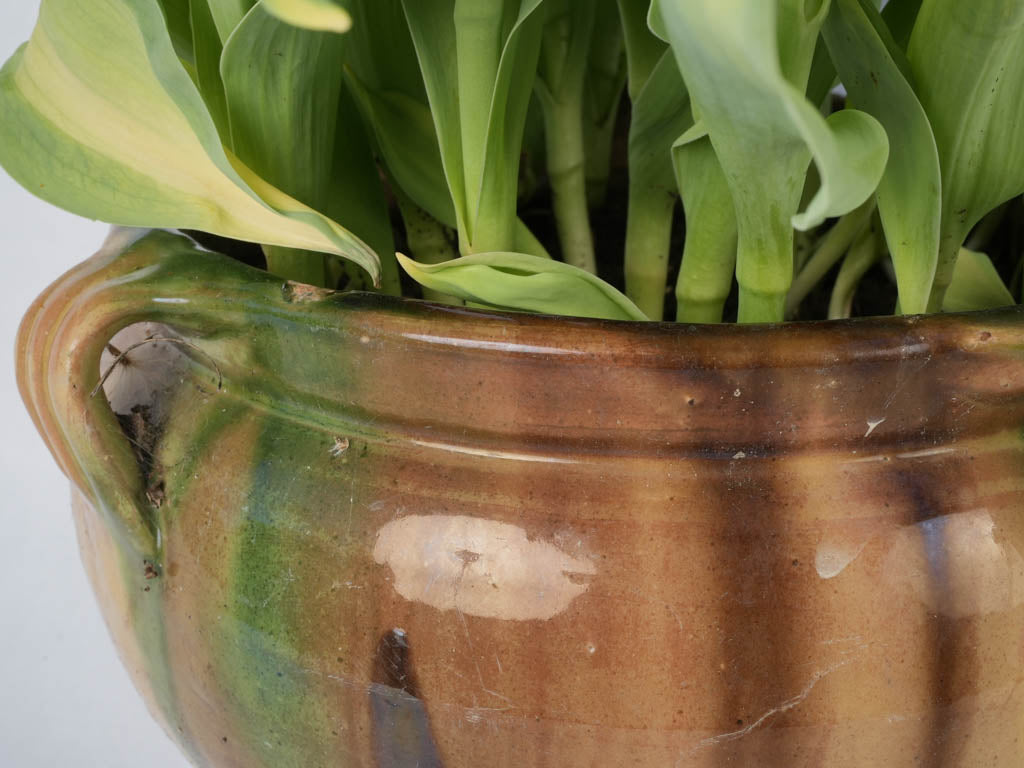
{"x": 402, "y": 534}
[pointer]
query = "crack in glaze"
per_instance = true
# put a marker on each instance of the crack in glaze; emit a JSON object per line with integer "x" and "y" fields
{"x": 785, "y": 706}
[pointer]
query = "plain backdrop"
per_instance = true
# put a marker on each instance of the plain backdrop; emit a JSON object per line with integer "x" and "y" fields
{"x": 65, "y": 700}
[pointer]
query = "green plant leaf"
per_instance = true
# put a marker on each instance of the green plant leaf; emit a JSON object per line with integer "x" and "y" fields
{"x": 746, "y": 64}
{"x": 643, "y": 48}
{"x": 709, "y": 253}
{"x": 356, "y": 196}
{"x": 180, "y": 28}
{"x": 490, "y": 49}
{"x": 207, "y": 49}
{"x": 899, "y": 16}
{"x": 976, "y": 285}
{"x": 100, "y": 118}
{"x": 606, "y": 80}
{"x": 284, "y": 88}
{"x": 525, "y": 283}
{"x": 322, "y": 15}
{"x": 661, "y": 112}
{"x": 909, "y": 194}
{"x": 393, "y": 100}
{"x": 858, "y": 260}
{"x": 561, "y": 77}
{"x": 283, "y": 84}
{"x": 968, "y": 64}
{"x": 403, "y": 132}
{"x": 494, "y": 221}
{"x": 227, "y": 14}
{"x": 433, "y": 33}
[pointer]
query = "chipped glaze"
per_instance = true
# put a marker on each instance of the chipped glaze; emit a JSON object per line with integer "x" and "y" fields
{"x": 357, "y": 531}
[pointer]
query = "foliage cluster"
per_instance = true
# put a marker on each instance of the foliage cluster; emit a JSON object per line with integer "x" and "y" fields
{"x": 324, "y": 129}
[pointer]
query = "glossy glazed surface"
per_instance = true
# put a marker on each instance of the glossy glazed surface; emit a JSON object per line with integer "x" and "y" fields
{"x": 357, "y": 531}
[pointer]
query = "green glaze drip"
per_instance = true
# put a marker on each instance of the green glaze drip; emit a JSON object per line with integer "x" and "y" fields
{"x": 278, "y": 715}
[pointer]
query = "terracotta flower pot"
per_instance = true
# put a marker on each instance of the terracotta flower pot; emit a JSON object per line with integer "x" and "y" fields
{"x": 346, "y": 530}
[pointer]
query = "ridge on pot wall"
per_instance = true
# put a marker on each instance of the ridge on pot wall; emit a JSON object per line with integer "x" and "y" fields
{"x": 375, "y": 532}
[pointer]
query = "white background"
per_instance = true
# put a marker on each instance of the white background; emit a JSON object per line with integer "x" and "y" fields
{"x": 64, "y": 698}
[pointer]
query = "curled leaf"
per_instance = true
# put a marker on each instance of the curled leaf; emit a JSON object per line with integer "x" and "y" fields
{"x": 517, "y": 281}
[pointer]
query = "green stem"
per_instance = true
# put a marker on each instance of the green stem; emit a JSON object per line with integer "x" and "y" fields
{"x": 758, "y": 306}
{"x": 428, "y": 242}
{"x": 943, "y": 278}
{"x": 709, "y": 262}
{"x": 390, "y": 281}
{"x": 605, "y": 82}
{"x": 953, "y": 233}
{"x": 296, "y": 264}
{"x": 833, "y": 245}
{"x": 858, "y": 261}
{"x": 597, "y": 155}
{"x": 764, "y": 266}
{"x": 803, "y": 247}
{"x": 709, "y": 255}
{"x": 567, "y": 173}
{"x": 643, "y": 49}
{"x": 648, "y": 236}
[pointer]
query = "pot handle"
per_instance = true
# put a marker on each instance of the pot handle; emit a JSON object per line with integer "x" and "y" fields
{"x": 137, "y": 276}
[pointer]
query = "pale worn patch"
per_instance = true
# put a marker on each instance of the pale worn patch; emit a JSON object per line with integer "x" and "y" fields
{"x": 480, "y": 567}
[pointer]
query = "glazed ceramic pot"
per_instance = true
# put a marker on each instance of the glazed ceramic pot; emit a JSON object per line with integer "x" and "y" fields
{"x": 349, "y": 530}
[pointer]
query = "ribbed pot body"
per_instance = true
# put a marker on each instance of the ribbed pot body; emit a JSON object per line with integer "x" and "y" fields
{"x": 375, "y": 533}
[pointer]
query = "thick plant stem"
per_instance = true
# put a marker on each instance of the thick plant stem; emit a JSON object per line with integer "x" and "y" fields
{"x": 428, "y": 242}
{"x": 764, "y": 268}
{"x": 598, "y": 159}
{"x": 833, "y": 245}
{"x": 296, "y": 264}
{"x": 604, "y": 84}
{"x": 706, "y": 274}
{"x": 709, "y": 255}
{"x": 561, "y": 74}
{"x": 761, "y": 306}
{"x": 567, "y": 173}
{"x": 648, "y": 237}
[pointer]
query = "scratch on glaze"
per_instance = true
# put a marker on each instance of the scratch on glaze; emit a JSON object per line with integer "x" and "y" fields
{"x": 465, "y": 449}
{"x": 785, "y": 706}
{"x": 872, "y": 424}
